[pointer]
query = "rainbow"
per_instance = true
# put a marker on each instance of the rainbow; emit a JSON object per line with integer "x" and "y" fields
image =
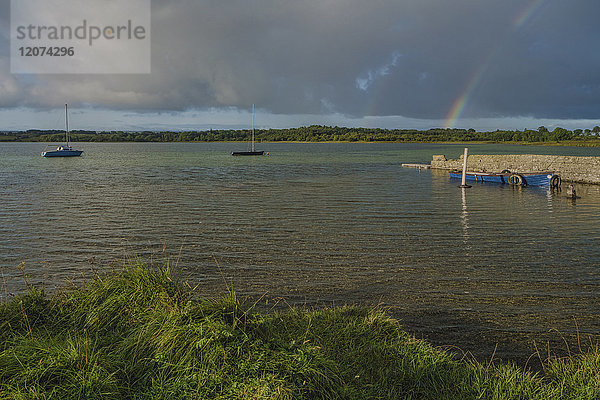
{"x": 458, "y": 106}
{"x": 527, "y": 14}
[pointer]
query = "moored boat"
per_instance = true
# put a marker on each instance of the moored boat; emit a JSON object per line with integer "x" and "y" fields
{"x": 62, "y": 151}
{"x": 248, "y": 153}
{"x": 65, "y": 150}
{"x": 512, "y": 178}
{"x": 251, "y": 152}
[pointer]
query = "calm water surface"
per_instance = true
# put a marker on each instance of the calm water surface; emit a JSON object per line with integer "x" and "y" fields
{"x": 313, "y": 223}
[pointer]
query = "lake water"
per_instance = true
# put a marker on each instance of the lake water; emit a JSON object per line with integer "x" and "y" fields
{"x": 313, "y": 224}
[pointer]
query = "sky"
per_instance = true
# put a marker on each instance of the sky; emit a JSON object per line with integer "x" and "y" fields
{"x": 482, "y": 64}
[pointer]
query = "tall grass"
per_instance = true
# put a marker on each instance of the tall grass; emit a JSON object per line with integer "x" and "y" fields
{"x": 137, "y": 334}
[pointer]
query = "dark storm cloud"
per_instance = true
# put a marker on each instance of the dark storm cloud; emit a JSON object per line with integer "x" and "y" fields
{"x": 415, "y": 58}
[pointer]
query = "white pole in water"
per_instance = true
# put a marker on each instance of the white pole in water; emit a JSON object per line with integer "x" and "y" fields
{"x": 464, "y": 174}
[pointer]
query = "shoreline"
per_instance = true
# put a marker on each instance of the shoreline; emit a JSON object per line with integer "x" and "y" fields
{"x": 480, "y": 338}
{"x": 462, "y": 143}
{"x": 138, "y": 333}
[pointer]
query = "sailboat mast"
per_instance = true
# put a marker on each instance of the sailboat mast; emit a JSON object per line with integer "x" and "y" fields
{"x": 252, "y": 127}
{"x": 67, "y": 125}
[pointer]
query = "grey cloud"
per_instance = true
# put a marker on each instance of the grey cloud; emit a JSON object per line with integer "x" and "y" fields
{"x": 413, "y": 58}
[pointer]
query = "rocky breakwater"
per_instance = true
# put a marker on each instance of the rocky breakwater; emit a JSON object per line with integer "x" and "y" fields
{"x": 570, "y": 168}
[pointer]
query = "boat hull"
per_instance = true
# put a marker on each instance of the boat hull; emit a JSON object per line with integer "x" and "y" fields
{"x": 247, "y": 153}
{"x": 62, "y": 153}
{"x": 529, "y": 179}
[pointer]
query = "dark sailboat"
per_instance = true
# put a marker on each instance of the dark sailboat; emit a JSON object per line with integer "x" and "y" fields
{"x": 252, "y": 152}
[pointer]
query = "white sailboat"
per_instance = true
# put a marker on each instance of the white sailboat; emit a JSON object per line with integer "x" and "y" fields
{"x": 66, "y": 150}
{"x": 252, "y": 152}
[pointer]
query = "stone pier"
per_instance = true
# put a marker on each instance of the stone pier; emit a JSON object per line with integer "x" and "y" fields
{"x": 570, "y": 168}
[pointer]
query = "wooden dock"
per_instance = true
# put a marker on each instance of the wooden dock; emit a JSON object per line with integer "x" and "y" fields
{"x": 418, "y": 166}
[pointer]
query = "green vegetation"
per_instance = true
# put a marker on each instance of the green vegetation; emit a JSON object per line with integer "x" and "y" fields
{"x": 137, "y": 334}
{"x": 317, "y": 133}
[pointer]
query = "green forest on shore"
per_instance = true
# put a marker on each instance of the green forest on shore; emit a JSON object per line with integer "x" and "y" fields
{"x": 318, "y": 133}
{"x": 139, "y": 334}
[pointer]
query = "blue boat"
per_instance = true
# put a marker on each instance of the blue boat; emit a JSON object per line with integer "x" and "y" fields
{"x": 62, "y": 151}
{"x": 512, "y": 178}
{"x": 66, "y": 150}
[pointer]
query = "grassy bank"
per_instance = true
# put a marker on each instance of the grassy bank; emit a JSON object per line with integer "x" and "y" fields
{"x": 137, "y": 334}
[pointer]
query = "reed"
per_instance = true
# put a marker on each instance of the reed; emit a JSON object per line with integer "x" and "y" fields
{"x": 137, "y": 334}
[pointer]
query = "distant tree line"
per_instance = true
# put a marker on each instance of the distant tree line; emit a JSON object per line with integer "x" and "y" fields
{"x": 314, "y": 133}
